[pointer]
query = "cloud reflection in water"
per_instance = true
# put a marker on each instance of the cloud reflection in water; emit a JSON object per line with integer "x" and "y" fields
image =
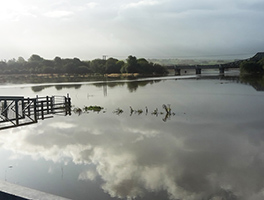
{"x": 208, "y": 153}
{"x": 133, "y": 158}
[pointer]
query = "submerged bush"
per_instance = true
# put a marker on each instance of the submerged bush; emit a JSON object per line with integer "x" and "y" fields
{"x": 93, "y": 108}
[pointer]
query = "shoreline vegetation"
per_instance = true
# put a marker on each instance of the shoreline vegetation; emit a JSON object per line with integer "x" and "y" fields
{"x": 39, "y": 65}
{"x": 37, "y": 69}
{"x": 59, "y": 78}
{"x": 252, "y": 71}
{"x": 254, "y": 65}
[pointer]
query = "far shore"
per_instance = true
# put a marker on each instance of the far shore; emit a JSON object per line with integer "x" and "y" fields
{"x": 38, "y": 78}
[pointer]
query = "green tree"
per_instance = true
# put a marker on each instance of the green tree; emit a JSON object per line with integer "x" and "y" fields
{"x": 21, "y": 60}
{"x": 83, "y": 70}
{"x": 3, "y": 67}
{"x": 48, "y": 63}
{"x": 131, "y": 65}
{"x": 77, "y": 62}
{"x": 35, "y": 64}
{"x": 13, "y": 66}
{"x": 158, "y": 69}
{"x": 3, "y": 64}
{"x": 35, "y": 58}
{"x": 112, "y": 66}
{"x": 98, "y": 66}
{"x": 261, "y": 63}
{"x": 144, "y": 66}
{"x": 48, "y": 70}
{"x": 69, "y": 68}
{"x": 120, "y": 65}
{"x": 57, "y": 61}
{"x": 251, "y": 67}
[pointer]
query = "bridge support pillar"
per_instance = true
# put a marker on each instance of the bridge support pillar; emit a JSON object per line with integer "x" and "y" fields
{"x": 221, "y": 70}
{"x": 177, "y": 71}
{"x": 198, "y": 70}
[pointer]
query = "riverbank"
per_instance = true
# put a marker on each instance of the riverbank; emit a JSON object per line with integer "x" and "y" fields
{"x": 59, "y": 78}
{"x": 40, "y": 78}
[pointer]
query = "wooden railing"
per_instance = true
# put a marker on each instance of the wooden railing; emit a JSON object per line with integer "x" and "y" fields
{"x": 17, "y": 110}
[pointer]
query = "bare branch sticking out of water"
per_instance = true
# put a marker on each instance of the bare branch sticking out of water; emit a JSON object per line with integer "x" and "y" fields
{"x": 155, "y": 112}
{"x": 77, "y": 110}
{"x": 118, "y": 111}
{"x": 167, "y": 108}
{"x": 168, "y": 112}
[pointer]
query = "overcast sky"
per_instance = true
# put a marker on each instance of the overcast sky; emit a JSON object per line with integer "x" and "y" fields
{"x": 143, "y": 28}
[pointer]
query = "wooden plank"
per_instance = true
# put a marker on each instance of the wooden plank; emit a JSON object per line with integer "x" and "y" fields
{"x": 18, "y": 192}
{"x": 16, "y": 112}
{"x": 11, "y": 97}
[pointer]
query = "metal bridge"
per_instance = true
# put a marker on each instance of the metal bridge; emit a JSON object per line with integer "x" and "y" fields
{"x": 18, "y": 111}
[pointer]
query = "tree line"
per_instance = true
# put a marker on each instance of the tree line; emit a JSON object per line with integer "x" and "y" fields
{"x": 38, "y": 65}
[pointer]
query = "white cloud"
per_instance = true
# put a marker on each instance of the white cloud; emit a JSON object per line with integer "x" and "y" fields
{"x": 62, "y": 125}
{"x": 92, "y": 4}
{"x": 159, "y": 162}
{"x": 58, "y": 14}
{"x": 148, "y": 28}
{"x": 88, "y": 175}
{"x": 15, "y": 11}
{"x": 142, "y": 3}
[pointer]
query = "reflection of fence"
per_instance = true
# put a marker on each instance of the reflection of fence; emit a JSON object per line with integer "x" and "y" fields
{"x": 18, "y": 111}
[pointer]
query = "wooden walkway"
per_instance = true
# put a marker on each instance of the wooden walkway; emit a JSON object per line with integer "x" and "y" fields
{"x": 18, "y": 111}
{"x": 10, "y": 191}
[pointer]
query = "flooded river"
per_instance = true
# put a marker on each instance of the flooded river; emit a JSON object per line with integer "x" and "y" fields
{"x": 211, "y": 145}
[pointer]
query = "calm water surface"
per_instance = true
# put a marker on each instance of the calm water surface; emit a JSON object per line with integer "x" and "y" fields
{"x": 211, "y": 147}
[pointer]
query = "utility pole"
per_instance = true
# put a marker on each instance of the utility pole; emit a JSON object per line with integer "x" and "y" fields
{"x": 104, "y": 57}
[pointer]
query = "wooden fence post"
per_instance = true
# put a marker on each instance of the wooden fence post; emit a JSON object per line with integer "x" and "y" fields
{"x": 16, "y": 112}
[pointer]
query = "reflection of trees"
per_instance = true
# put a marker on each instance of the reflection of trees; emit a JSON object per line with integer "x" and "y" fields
{"x": 256, "y": 81}
{"x": 39, "y": 88}
{"x": 75, "y": 86}
{"x": 114, "y": 84}
{"x": 99, "y": 84}
{"x": 58, "y": 87}
{"x": 109, "y": 84}
{"x": 22, "y": 79}
{"x": 131, "y": 85}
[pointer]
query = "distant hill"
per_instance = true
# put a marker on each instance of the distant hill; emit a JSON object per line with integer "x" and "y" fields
{"x": 257, "y": 57}
{"x": 253, "y": 65}
{"x": 168, "y": 62}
